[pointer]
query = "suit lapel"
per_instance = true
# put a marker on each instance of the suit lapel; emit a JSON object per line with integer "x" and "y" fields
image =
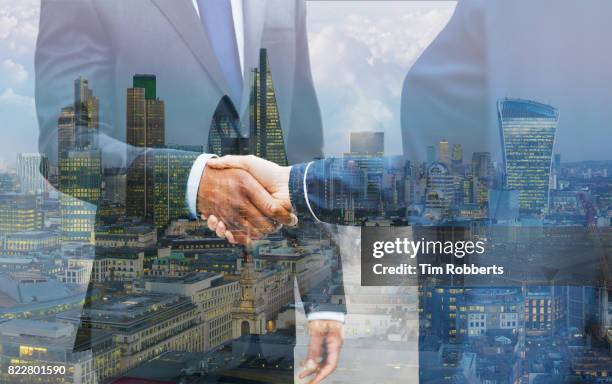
{"x": 185, "y": 21}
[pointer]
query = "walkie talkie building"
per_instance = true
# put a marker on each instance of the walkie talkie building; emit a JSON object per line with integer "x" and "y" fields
{"x": 528, "y": 134}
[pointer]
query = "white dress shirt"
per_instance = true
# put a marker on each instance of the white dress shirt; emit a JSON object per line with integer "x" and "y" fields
{"x": 199, "y": 164}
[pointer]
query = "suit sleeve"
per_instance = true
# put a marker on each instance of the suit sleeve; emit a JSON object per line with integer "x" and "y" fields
{"x": 73, "y": 42}
{"x": 322, "y": 190}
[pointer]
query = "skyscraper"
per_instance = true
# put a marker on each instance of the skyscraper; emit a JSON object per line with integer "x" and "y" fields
{"x": 145, "y": 126}
{"x": 431, "y": 154}
{"x": 443, "y": 152}
{"x": 266, "y": 134}
{"x": 528, "y": 135}
{"x": 224, "y": 137}
{"x": 482, "y": 177}
{"x": 80, "y": 164}
{"x": 367, "y": 151}
{"x": 368, "y": 143}
{"x": 86, "y": 115}
{"x": 440, "y": 191}
{"x": 169, "y": 197}
{"x": 457, "y": 158}
{"x": 32, "y": 168}
{"x": 66, "y": 131}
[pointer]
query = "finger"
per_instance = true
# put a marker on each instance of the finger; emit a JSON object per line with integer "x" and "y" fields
{"x": 228, "y": 161}
{"x": 242, "y": 230}
{"x": 310, "y": 367}
{"x": 258, "y": 221}
{"x": 212, "y": 222}
{"x": 230, "y": 237}
{"x": 221, "y": 230}
{"x": 333, "y": 345}
{"x": 267, "y": 205}
{"x": 315, "y": 353}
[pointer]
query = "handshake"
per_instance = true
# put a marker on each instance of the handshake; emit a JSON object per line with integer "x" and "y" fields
{"x": 244, "y": 198}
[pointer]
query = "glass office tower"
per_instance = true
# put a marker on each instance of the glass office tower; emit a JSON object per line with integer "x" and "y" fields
{"x": 266, "y": 135}
{"x": 528, "y": 135}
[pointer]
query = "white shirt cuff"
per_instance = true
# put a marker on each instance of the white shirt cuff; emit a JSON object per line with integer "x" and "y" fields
{"x": 193, "y": 183}
{"x": 326, "y": 315}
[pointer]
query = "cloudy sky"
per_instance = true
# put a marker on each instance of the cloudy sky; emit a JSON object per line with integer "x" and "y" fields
{"x": 361, "y": 51}
{"x": 18, "y": 29}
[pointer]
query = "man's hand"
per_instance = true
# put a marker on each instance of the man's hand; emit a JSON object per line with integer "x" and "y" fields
{"x": 273, "y": 177}
{"x": 326, "y": 338}
{"x": 242, "y": 203}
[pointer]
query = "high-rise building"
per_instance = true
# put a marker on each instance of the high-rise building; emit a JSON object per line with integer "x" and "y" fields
{"x": 457, "y": 159}
{"x": 80, "y": 180}
{"x": 266, "y": 134}
{"x": 66, "y": 131}
{"x": 443, "y": 152}
{"x": 145, "y": 126}
{"x": 528, "y": 135}
{"x": 80, "y": 164}
{"x": 368, "y": 143}
{"x": 431, "y": 154}
{"x": 224, "y": 137}
{"x": 86, "y": 115}
{"x": 32, "y": 168}
{"x": 169, "y": 197}
{"x": 367, "y": 149}
{"x": 440, "y": 190}
{"x": 481, "y": 165}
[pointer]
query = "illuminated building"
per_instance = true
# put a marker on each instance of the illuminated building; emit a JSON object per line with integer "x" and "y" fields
{"x": 144, "y": 325}
{"x": 80, "y": 164}
{"x": 169, "y": 197}
{"x": 126, "y": 236}
{"x": 145, "y": 128}
{"x": 225, "y": 129}
{"x": 20, "y": 243}
{"x": 31, "y": 294}
{"x": 50, "y": 345}
{"x": 18, "y": 213}
{"x": 266, "y": 135}
{"x": 544, "y": 309}
{"x": 440, "y": 191}
{"x": 443, "y": 154}
{"x": 80, "y": 180}
{"x": 66, "y": 130}
{"x": 528, "y": 135}
{"x": 32, "y": 169}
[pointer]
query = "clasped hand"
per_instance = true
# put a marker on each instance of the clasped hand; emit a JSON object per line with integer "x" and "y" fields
{"x": 245, "y": 198}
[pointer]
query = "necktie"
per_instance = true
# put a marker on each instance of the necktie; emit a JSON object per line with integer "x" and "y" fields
{"x": 216, "y": 17}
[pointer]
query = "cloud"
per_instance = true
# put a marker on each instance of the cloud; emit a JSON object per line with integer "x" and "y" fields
{"x": 7, "y": 23}
{"x": 9, "y": 98}
{"x": 359, "y": 61}
{"x": 19, "y": 24}
{"x": 14, "y": 72}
